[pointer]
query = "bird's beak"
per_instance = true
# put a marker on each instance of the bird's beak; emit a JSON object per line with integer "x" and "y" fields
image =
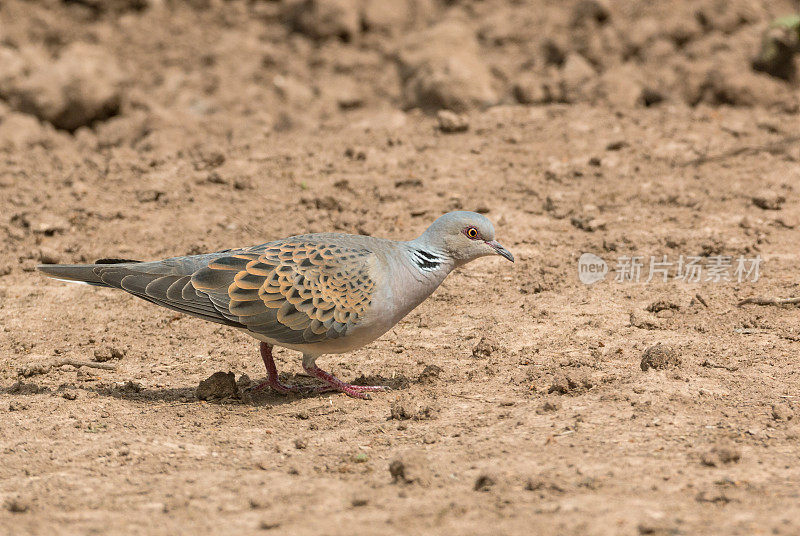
{"x": 500, "y": 250}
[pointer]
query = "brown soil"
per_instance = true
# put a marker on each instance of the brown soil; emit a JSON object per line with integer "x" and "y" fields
{"x": 146, "y": 129}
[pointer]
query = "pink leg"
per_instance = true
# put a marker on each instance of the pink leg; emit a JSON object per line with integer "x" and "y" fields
{"x": 275, "y": 383}
{"x": 356, "y": 391}
{"x": 272, "y": 373}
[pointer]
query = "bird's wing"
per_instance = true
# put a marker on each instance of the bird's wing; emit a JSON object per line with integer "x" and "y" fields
{"x": 167, "y": 283}
{"x": 295, "y": 291}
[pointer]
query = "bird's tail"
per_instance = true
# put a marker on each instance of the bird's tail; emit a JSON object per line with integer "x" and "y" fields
{"x": 81, "y": 273}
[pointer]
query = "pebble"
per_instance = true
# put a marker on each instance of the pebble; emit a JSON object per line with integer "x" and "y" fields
{"x": 411, "y": 467}
{"x": 451, "y": 122}
{"x": 782, "y": 412}
{"x": 660, "y": 356}
{"x": 768, "y": 200}
{"x": 484, "y": 482}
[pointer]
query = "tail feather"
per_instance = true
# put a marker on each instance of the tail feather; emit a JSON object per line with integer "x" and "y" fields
{"x": 82, "y": 273}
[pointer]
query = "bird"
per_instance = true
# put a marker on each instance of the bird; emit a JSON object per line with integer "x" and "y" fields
{"x": 318, "y": 294}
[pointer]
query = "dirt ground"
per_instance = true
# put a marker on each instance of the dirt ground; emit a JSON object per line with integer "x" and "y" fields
{"x": 147, "y": 129}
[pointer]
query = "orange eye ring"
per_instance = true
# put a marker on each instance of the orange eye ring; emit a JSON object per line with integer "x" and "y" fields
{"x": 472, "y": 232}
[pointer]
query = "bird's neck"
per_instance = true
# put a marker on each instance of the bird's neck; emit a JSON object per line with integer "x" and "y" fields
{"x": 427, "y": 259}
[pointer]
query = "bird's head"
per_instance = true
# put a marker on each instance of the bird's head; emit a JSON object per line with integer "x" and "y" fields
{"x": 464, "y": 236}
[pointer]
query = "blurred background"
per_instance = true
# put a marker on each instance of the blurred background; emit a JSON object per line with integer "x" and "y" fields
{"x": 113, "y": 72}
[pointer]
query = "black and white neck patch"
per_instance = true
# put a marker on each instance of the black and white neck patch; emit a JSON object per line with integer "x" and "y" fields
{"x": 425, "y": 260}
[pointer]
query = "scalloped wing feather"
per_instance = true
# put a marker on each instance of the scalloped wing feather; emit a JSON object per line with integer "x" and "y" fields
{"x": 296, "y": 291}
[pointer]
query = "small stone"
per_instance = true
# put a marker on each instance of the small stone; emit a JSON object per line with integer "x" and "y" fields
{"x": 355, "y": 153}
{"x": 548, "y": 406}
{"x": 49, "y": 256}
{"x": 484, "y": 482}
{"x": 49, "y": 225}
{"x": 660, "y": 356}
{"x": 211, "y": 159}
{"x": 323, "y": 19}
{"x": 662, "y": 305}
{"x": 359, "y": 502}
{"x": 132, "y": 386}
{"x": 782, "y": 412}
{"x": 150, "y": 195}
{"x": 16, "y": 505}
{"x": 399, "y": 412}
{"x": 651, "y": 96}
{"x": 107, "y": 353}
{"x": 411, "y": 467}
{"x": 720, "y": 455}
{"x": 616, "y": 145}
{"x": 83, "y": 375}
{"x": 571, "y": 383}
{"x": 16, "y": 405}
{"x": 768, "y": 200}
{"x": 300, "y": 443}
{"x": 429, "y": 374}
{"x": 483, "y": 349}
{"x": 451, "y": 122}
{"x": 268, "y": 524}
{"x": 657, "y": 529}
{"x": 588, "y": 223}
{"x": 785, "y": 221}
{"x": 218, "y": 386}
{"x": 69, "y": 395}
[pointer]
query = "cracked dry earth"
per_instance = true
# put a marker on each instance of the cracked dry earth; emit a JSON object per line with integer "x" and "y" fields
{"x": 520, "y": 405}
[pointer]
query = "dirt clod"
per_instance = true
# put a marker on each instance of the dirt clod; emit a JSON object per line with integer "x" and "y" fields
{"x": 402, "y": 411}
{"x": 720, "y": 455}
{"x": 451, "y": 122}
{"x": 83, "y": 85}
{"x": 549, "y": 406}
{"x": 484, "y": 482}
{"x": 411, "y": 467}
{"x": 429, "y": 374}
{"x": 570, "y": 383}
{"x": 218, "y": 386}
{"x": 769, "y": 200}
{"x": 484, "y": 348}
{"x": 782, "y": 412}
{"x": 17, "y": 505}
{"x": 660, "y": 356}
{"x": 662, "y": 305}
{"x": 16, "y": 405}
{"x": 107, "y": 353}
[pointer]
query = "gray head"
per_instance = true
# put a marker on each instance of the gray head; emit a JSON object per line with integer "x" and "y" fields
{"x": 463, "y": 236}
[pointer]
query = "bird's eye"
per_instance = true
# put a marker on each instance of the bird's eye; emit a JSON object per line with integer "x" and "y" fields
{"x": 471, "y": 232}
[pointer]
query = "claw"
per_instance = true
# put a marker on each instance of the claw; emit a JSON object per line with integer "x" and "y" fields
{"x": 332, "y": 382}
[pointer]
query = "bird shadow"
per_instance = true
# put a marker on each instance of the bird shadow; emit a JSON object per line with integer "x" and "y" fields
{"x": 245, "y": 393}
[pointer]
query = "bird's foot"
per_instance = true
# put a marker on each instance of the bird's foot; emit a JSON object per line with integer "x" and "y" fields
{"x": 335, "y": 384}
{"x": 285, "y": 389}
